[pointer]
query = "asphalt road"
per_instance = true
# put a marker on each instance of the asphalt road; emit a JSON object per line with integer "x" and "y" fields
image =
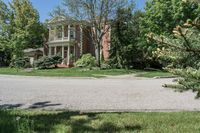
{"x": 89, "y": 94}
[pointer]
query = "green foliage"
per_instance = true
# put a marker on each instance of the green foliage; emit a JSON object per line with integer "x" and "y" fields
{"x": 124, "y": 51}
{"x": 190, "y": 80}
{"x": 161, "y": 16}
{"x": 5, "y": 57}
{"x": 14, "y": 124}
{"x": 183, "y": 49}
{"x": 87, "y": 60}
{"x": 48, "y": 62}
{"x": 20, "y": 27}
{"x": 27, "y": 28}
{"x": 105, "y": 65}
{"x": 183, "y": 53}
{"x": 5, "y": 31}
{"x": 21, "y": 63}
{"x": 70, "y": 72}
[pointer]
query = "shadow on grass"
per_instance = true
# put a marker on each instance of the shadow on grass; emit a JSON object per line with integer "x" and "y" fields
{"x": 14, "y": 121}
{"x": 108, "y": 127}
{"x": 7, "y": 122}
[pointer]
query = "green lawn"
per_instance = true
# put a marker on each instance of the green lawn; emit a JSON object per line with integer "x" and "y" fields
{"x": 150, "y": 74}
{"x": 77, "y": 72}
{"x": 20, "y": 121}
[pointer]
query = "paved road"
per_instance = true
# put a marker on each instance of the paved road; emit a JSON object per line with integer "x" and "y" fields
{"x": 108, "y": 94}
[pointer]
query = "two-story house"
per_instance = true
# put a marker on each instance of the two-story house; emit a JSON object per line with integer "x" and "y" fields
{"x": 71, "y": 41}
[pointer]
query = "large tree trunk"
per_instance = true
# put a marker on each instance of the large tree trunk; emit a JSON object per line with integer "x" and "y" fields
{"x": 98, "y": 54}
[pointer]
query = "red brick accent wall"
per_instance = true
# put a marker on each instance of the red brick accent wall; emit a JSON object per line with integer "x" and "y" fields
{"x": 106, "y": 45}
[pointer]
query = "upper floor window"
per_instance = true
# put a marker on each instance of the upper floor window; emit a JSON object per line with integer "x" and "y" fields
{"x": 72, "y": 32}
{"x": 66, "y": 31}
{"x": 59, "y": 32}
{"x": 51, "y": 33}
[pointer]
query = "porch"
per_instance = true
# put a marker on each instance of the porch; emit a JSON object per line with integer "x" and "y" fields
{"x": 66, "y": 50}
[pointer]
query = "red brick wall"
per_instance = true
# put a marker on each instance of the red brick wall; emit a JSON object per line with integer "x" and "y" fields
{"x": 106, "y": 45}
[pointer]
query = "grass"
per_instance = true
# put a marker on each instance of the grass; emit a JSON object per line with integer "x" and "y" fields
{"x": 77, "y": 72}
{"x": 150, "y": 74}
{"x": 24, "y": 121}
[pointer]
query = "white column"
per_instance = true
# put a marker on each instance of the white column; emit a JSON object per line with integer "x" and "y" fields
{"x": 68, "y": 55}
{"x": 49, "y": 51}
{"x": 62, "y": 32}
{"x": 63, "y": 56}
{"x": 74, "y": 52}
{"x": 54, "y": 34}
{"x": 55, "y": 50}
{"x": 69, "y": 32}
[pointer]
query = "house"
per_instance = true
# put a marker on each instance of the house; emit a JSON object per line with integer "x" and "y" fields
{"x": 69, "y": 39}
{"x": 33, "y": 54}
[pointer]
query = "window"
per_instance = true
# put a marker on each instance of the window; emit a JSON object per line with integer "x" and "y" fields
{"x": 59, "y": 32}
{"x": 72, "y": 32}
{"x": 52, "y": 50}
{"x": 51, "y": 33}
{"x": 59, "y": 50}
{"x": 66, "y": 31}
{"x": 65, "y": 52}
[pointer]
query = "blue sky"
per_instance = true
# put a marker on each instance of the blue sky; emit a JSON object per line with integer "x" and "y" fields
{"x": 46, "y": 6}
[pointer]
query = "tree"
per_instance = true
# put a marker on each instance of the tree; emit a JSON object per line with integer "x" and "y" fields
{"x": 125, "y": 33}
{"x": 96, "y": 14}
{"x": 182, "y": 53}
{"x": 5, "y": 33}
{"x": 161, "y": 16}
{"x": 19, "y": 29}
{"x": 27, "y": 28}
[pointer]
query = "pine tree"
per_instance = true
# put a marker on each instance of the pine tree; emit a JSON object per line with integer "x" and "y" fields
{"x": 125, "y": 33}
{"x": 182, "y": 54}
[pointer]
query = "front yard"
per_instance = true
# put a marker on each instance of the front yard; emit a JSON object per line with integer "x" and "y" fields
{"x": 24, "y": 121}
{"x": 81, "y": 72}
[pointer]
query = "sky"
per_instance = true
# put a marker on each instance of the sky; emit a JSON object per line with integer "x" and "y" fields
{"x": 46, "y": 6}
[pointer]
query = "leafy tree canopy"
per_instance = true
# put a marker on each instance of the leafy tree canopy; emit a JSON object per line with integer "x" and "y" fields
{"x": 181, "y": 53}
{"x": 161, "y": 16}
{"x": 19, "y": 26}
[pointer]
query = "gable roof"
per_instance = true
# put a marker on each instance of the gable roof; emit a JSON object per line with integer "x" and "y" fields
{"x": 61, "y": 19}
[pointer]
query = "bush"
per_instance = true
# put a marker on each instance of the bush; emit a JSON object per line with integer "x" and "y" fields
{"x": 47, "y": 62}
{"x": 87, "y": 60}
{"x": 21, "y": 63}
{"x": 105, "y": 65}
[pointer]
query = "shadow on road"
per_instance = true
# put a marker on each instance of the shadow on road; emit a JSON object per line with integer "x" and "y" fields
{"x": 37, "y": 105}
{"x": 10, "y": 106}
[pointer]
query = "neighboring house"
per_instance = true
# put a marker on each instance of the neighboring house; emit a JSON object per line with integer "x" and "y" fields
{"x": 71, "y": 41}
{"x": 33, "y": 54}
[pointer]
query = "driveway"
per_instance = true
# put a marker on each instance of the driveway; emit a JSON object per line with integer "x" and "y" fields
{"x": 89, "y": 94}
